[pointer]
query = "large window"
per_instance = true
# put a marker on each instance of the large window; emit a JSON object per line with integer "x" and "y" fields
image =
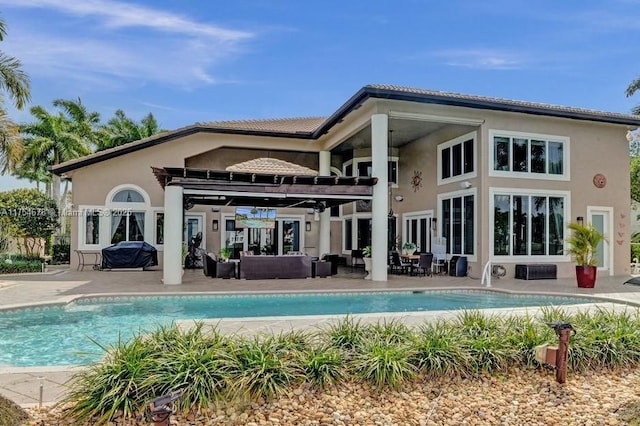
{"x": 283, "y": 238}
{"x": 458, "y": 223}
{"x": 528, "y": 224}
{"x": 159, "y": 228}
{"x": 92, "y": 228}
{"x": 128, "y": 207}
{"x": 363, "y": 167}
{"x": 348, "y": 234}
{"x": 127, "y": 226}
{"x": 517, "y": 154}
{"x": 456, "y": 158}
{"x": 358, "y": 233}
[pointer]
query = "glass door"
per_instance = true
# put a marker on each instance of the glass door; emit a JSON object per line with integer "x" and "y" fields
{"x": 192, "y": 225}
{"x": 290, "y": 236}
{"x": 417, "y": 231}
{"x": 600, "y": 218}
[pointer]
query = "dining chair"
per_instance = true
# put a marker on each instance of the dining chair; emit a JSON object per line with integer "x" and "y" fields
{"x": 424, "y": 264}
{"x": 398, "y": 265}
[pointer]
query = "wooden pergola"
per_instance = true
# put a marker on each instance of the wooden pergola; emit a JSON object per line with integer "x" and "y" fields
{"x": 230, "y": 188}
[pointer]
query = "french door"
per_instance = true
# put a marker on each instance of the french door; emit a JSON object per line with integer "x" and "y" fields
{"x": 285, "y": 237}
{"x": 417, "y": 230}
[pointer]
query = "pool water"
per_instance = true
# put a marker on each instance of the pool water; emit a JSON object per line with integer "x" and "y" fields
{"x": 61, "y": 335}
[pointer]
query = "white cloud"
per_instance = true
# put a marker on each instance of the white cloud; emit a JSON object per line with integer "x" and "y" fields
{"x": 164, "y": 48}
{"x": 481, "y": 59}
{"x": 120, "y": 14}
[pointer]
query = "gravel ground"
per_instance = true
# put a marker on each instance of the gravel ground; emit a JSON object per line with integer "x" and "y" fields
{"x": 517, "y": 398}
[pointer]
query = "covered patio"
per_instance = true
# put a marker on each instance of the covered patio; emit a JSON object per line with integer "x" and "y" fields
{"x": 187, "y": 187}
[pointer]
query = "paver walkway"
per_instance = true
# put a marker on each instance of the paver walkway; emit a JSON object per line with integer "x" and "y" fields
{"x": 23, "y": 385}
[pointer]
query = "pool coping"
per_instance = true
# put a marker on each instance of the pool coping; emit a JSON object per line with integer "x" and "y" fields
{"x": 66, "y": 300}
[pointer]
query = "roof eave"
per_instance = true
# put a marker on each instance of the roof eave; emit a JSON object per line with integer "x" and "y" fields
{"x": 60, "y": 169}
{"x": 496, "y": 105}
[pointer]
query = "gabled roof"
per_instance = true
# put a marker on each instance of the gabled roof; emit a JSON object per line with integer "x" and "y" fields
{"x": 311, "y": 128}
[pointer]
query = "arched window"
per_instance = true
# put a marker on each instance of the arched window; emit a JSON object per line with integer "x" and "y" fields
{"x": 128, "y": 206}
{"x": 127, "y": 196}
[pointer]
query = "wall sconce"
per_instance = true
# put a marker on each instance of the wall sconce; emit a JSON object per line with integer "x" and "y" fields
{"x": 308, "y": 226}
{"x": 399, "y": 198}
{"x": 434, "y": 223}
{"x": 580, "y": 220}
{"x": 214, "y": 225}
{"x": 465, "y": 185}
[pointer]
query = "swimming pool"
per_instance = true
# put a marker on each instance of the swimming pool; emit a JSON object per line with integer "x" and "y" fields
{"x": 61, "y": 335}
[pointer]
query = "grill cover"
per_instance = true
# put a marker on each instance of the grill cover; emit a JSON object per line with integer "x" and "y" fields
{"x": 129, "y": 254}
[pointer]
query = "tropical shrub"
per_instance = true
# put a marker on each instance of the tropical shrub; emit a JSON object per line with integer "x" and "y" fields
{"x": 17, "y": 264}
{"x": 439, "y": 350}
{"x": 323, "y": 366}
{"x": 263, "y": 369}
{"x": 384, "y": 364}
{"x": 209, "y": 368}
{"x": 61, "y": 253}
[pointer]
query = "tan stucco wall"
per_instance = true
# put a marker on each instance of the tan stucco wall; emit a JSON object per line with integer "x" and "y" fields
{"x": 594, "y": 148}
{"x": 92, "y": 184}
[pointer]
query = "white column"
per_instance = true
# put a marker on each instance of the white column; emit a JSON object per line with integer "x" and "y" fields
{"x": 324, "y": 242}
{"x": 380, "y": 204}
{"x": 172, "y": 272}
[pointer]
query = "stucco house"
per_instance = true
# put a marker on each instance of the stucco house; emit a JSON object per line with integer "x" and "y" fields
{"x": 493, "y": 179}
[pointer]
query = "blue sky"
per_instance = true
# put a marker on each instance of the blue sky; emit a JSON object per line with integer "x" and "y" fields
{"x": 191, "y": 61}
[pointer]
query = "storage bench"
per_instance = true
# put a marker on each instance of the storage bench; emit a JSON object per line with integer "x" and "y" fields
{"x": 536, "y": 271}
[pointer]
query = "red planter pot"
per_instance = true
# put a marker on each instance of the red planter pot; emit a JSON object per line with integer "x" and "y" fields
{"x": 586, "y": 276}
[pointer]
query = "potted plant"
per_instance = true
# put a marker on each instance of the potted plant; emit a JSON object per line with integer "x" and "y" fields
{"x": 409, "y": 248}
{"x": 583, "y": 246}
{"x": 225, "y": 253}
{"x": 366, "y": 255}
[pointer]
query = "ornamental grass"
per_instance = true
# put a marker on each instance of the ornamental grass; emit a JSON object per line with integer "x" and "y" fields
{"x": 209, "y": 368}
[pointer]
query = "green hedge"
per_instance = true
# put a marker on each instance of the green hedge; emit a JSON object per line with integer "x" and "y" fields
{"x": 17, "y": 264}
{"x": 61, "y": 253}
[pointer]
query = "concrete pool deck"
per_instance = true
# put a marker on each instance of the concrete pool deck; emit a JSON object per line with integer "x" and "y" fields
{"x": 62, "y": 285}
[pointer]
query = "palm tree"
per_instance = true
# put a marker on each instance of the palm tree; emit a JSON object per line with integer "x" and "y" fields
{"x": 631, "y": 90}
{"x": 11, "y": 147}
{"x": 82, "y": 122}
{"x": 122, "y": 129}
{"x": 53, "y": 139}
{"x": 15, "y": 83}
{"x": 34, "y": 171}
{"x": 13, "y": 80}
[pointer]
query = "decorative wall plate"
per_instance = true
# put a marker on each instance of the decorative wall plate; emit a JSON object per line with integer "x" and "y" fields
{"x": 416, "y": 180}
{"x": 600, "y": 180}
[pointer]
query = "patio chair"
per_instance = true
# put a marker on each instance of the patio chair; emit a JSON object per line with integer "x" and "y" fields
{"x": 209, "y": 265}
{"x": 424, "y": 264}
{"x": 439, "y": 249}
{"x": 357, "y": 259}
{"x": 398, "y": 266}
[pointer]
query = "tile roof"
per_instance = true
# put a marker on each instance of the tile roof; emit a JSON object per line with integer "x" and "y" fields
{"x": 286, "y": 125}
{"x": 311, "y": 128}
{"x": 271, "y": 166}
{"x": 483, "y": 100}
